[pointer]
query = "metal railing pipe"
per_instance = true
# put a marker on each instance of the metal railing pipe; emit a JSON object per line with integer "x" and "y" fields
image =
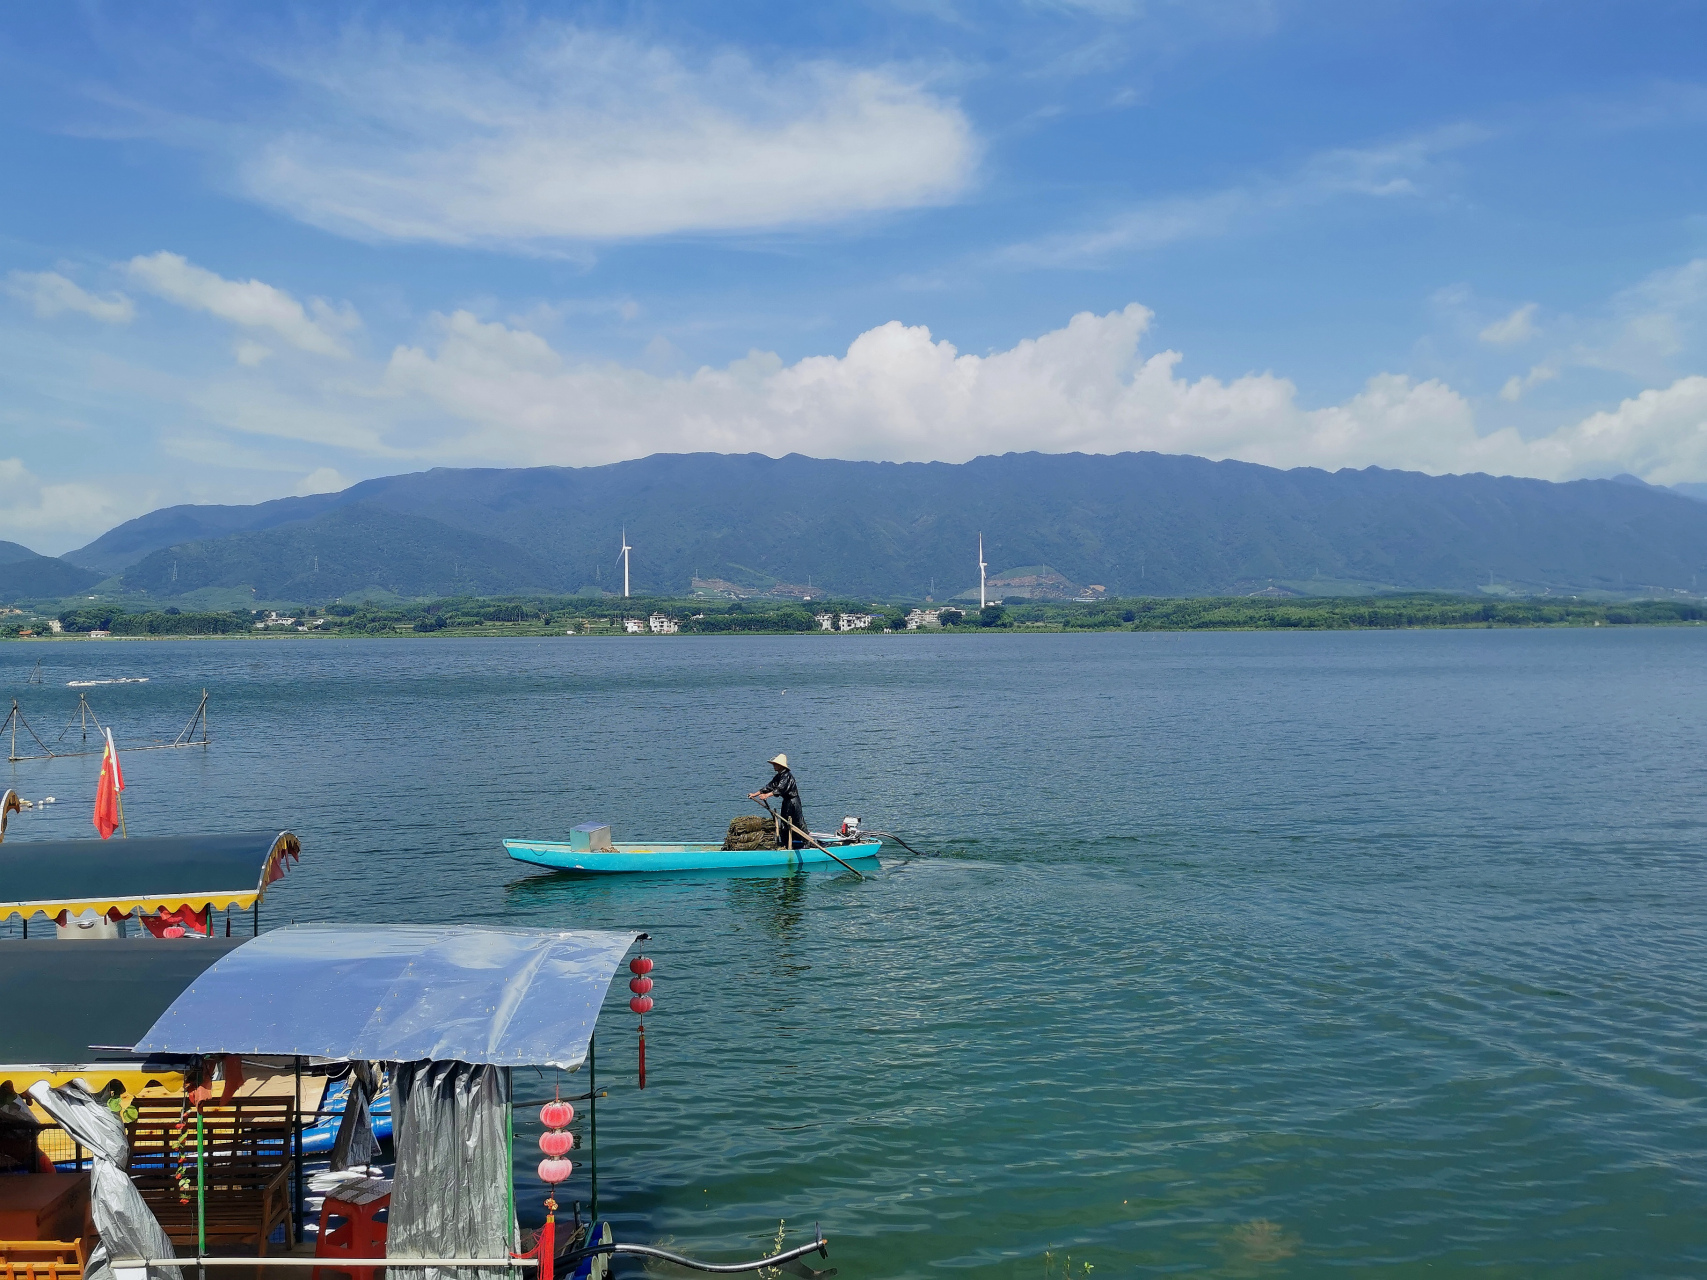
{"x": 126, "y": 1267}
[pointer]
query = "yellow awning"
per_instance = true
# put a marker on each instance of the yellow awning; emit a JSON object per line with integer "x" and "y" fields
{"x": 116, "y": 877}
{"x": 229, "y": 900}
{"x": 130, "y": 1075}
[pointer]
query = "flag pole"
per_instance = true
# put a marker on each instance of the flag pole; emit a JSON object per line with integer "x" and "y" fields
{"x": 123, "y": 834}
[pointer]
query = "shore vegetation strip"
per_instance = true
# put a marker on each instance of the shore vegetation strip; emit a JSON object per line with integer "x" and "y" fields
{"x": 544, "y": 615}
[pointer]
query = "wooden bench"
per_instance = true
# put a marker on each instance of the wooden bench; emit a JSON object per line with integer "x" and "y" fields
{"x": 26, "y": 1269}
{"x": 41, "y": 1259}
{"x": 248, "y": 1169}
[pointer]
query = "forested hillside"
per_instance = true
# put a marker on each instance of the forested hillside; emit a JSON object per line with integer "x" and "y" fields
{"x": 24, "y": 575}
{"x": 1135, "y": 524}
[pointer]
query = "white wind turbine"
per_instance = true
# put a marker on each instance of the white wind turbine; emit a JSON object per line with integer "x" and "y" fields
{"x": 623, "y": 556}
{"x": 981, "y": 567}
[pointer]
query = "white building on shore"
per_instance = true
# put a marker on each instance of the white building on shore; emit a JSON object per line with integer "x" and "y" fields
{"x": 844, "y": 621}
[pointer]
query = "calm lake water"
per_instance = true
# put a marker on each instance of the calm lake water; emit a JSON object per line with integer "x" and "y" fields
{"x": 1246, "y": 954}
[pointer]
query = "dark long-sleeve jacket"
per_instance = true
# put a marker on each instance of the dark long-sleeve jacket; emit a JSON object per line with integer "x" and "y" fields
{"x": 787, "y": 793}
{"x": 783, "y": 787}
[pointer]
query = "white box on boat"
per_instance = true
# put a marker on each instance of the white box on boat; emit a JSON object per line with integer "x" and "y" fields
{"x": 591, "y": 837}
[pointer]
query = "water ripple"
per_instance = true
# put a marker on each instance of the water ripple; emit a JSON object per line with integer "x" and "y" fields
{"x": 1248, "y": 954}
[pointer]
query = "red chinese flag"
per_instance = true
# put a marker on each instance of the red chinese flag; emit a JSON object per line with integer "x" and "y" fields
{"x": 107, "y": 790}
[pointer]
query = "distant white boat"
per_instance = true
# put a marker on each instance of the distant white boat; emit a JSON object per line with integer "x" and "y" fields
{"x": 90, "y": 684}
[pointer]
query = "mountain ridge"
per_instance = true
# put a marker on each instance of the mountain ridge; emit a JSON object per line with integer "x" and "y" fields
{"x": 1137, "y": 523}
{"x": 25, "y": 574}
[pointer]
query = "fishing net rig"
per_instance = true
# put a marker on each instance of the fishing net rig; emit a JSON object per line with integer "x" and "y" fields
{"x": 81, "y": 720}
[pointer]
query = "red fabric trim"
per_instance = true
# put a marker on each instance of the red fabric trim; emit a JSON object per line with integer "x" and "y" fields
{"x": 186, "y": 918}
{"x": 277, "y": 867}
{"x": 233, "y": 1075}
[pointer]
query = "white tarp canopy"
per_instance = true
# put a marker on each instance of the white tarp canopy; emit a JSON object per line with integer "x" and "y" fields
{"x": 399, "y": 993}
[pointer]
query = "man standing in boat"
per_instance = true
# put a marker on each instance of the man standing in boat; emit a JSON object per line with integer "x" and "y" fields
{"x": 782, "y": 787}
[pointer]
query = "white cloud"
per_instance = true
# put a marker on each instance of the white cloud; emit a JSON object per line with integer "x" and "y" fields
{"x": 1408, "y": 167}
{"x": 38, "y": 513}
{"x": 1516, "y": 386}
{"x": 249, "y": 303}
{"x": 1671, "y": 290}
{"x": 1519, "y": 326}
{"x": 251, "y": 353}
{"x": 898, "y": 394}
{"x": 1653, "y": 331}
{"x": 1659, "y": 435}
{"x": 345, "y": 414}
{"x": 52, "y": 294}
{"x": 561, "y": 134}
{"x": 1651, "y": 323}
{"x": 322, "y": 480}
{"x": 489, "y": 393}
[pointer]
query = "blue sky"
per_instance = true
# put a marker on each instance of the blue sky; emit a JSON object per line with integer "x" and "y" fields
{"x": 250, "y": 251}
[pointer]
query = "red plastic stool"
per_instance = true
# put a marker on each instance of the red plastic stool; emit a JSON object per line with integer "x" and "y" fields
{"x": 361, "y": 1234}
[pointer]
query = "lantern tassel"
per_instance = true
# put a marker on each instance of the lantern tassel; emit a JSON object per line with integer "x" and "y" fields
{"x": 545, "y": 1248}
{"x": 642, "y": 1055}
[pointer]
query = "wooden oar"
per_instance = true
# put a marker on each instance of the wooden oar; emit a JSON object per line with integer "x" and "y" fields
{"x": 809, "y": 840}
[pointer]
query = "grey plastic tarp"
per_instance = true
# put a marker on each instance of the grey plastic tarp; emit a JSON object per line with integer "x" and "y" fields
{"x": 355, "y": 1145}
{"x": 451, "y": 1197}
{"x": 127, "y": 1225}
{"x": 399, "y": 993}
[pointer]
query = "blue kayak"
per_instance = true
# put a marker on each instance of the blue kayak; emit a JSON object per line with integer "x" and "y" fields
{"x": 589, "y": 850}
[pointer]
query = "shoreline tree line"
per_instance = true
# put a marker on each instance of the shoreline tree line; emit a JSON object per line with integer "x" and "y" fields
{"x": 546, "y": 615}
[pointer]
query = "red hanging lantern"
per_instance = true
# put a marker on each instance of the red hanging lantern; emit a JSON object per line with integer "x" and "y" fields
{"x": 641, "y": 1003}
{"x": 556, "y": 1142}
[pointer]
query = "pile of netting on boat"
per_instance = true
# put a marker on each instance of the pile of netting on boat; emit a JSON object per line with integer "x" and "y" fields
{"x": 751, "y": 832}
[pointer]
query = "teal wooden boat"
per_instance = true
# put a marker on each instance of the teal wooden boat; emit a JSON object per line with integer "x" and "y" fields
{"x": 589, "y": 849}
